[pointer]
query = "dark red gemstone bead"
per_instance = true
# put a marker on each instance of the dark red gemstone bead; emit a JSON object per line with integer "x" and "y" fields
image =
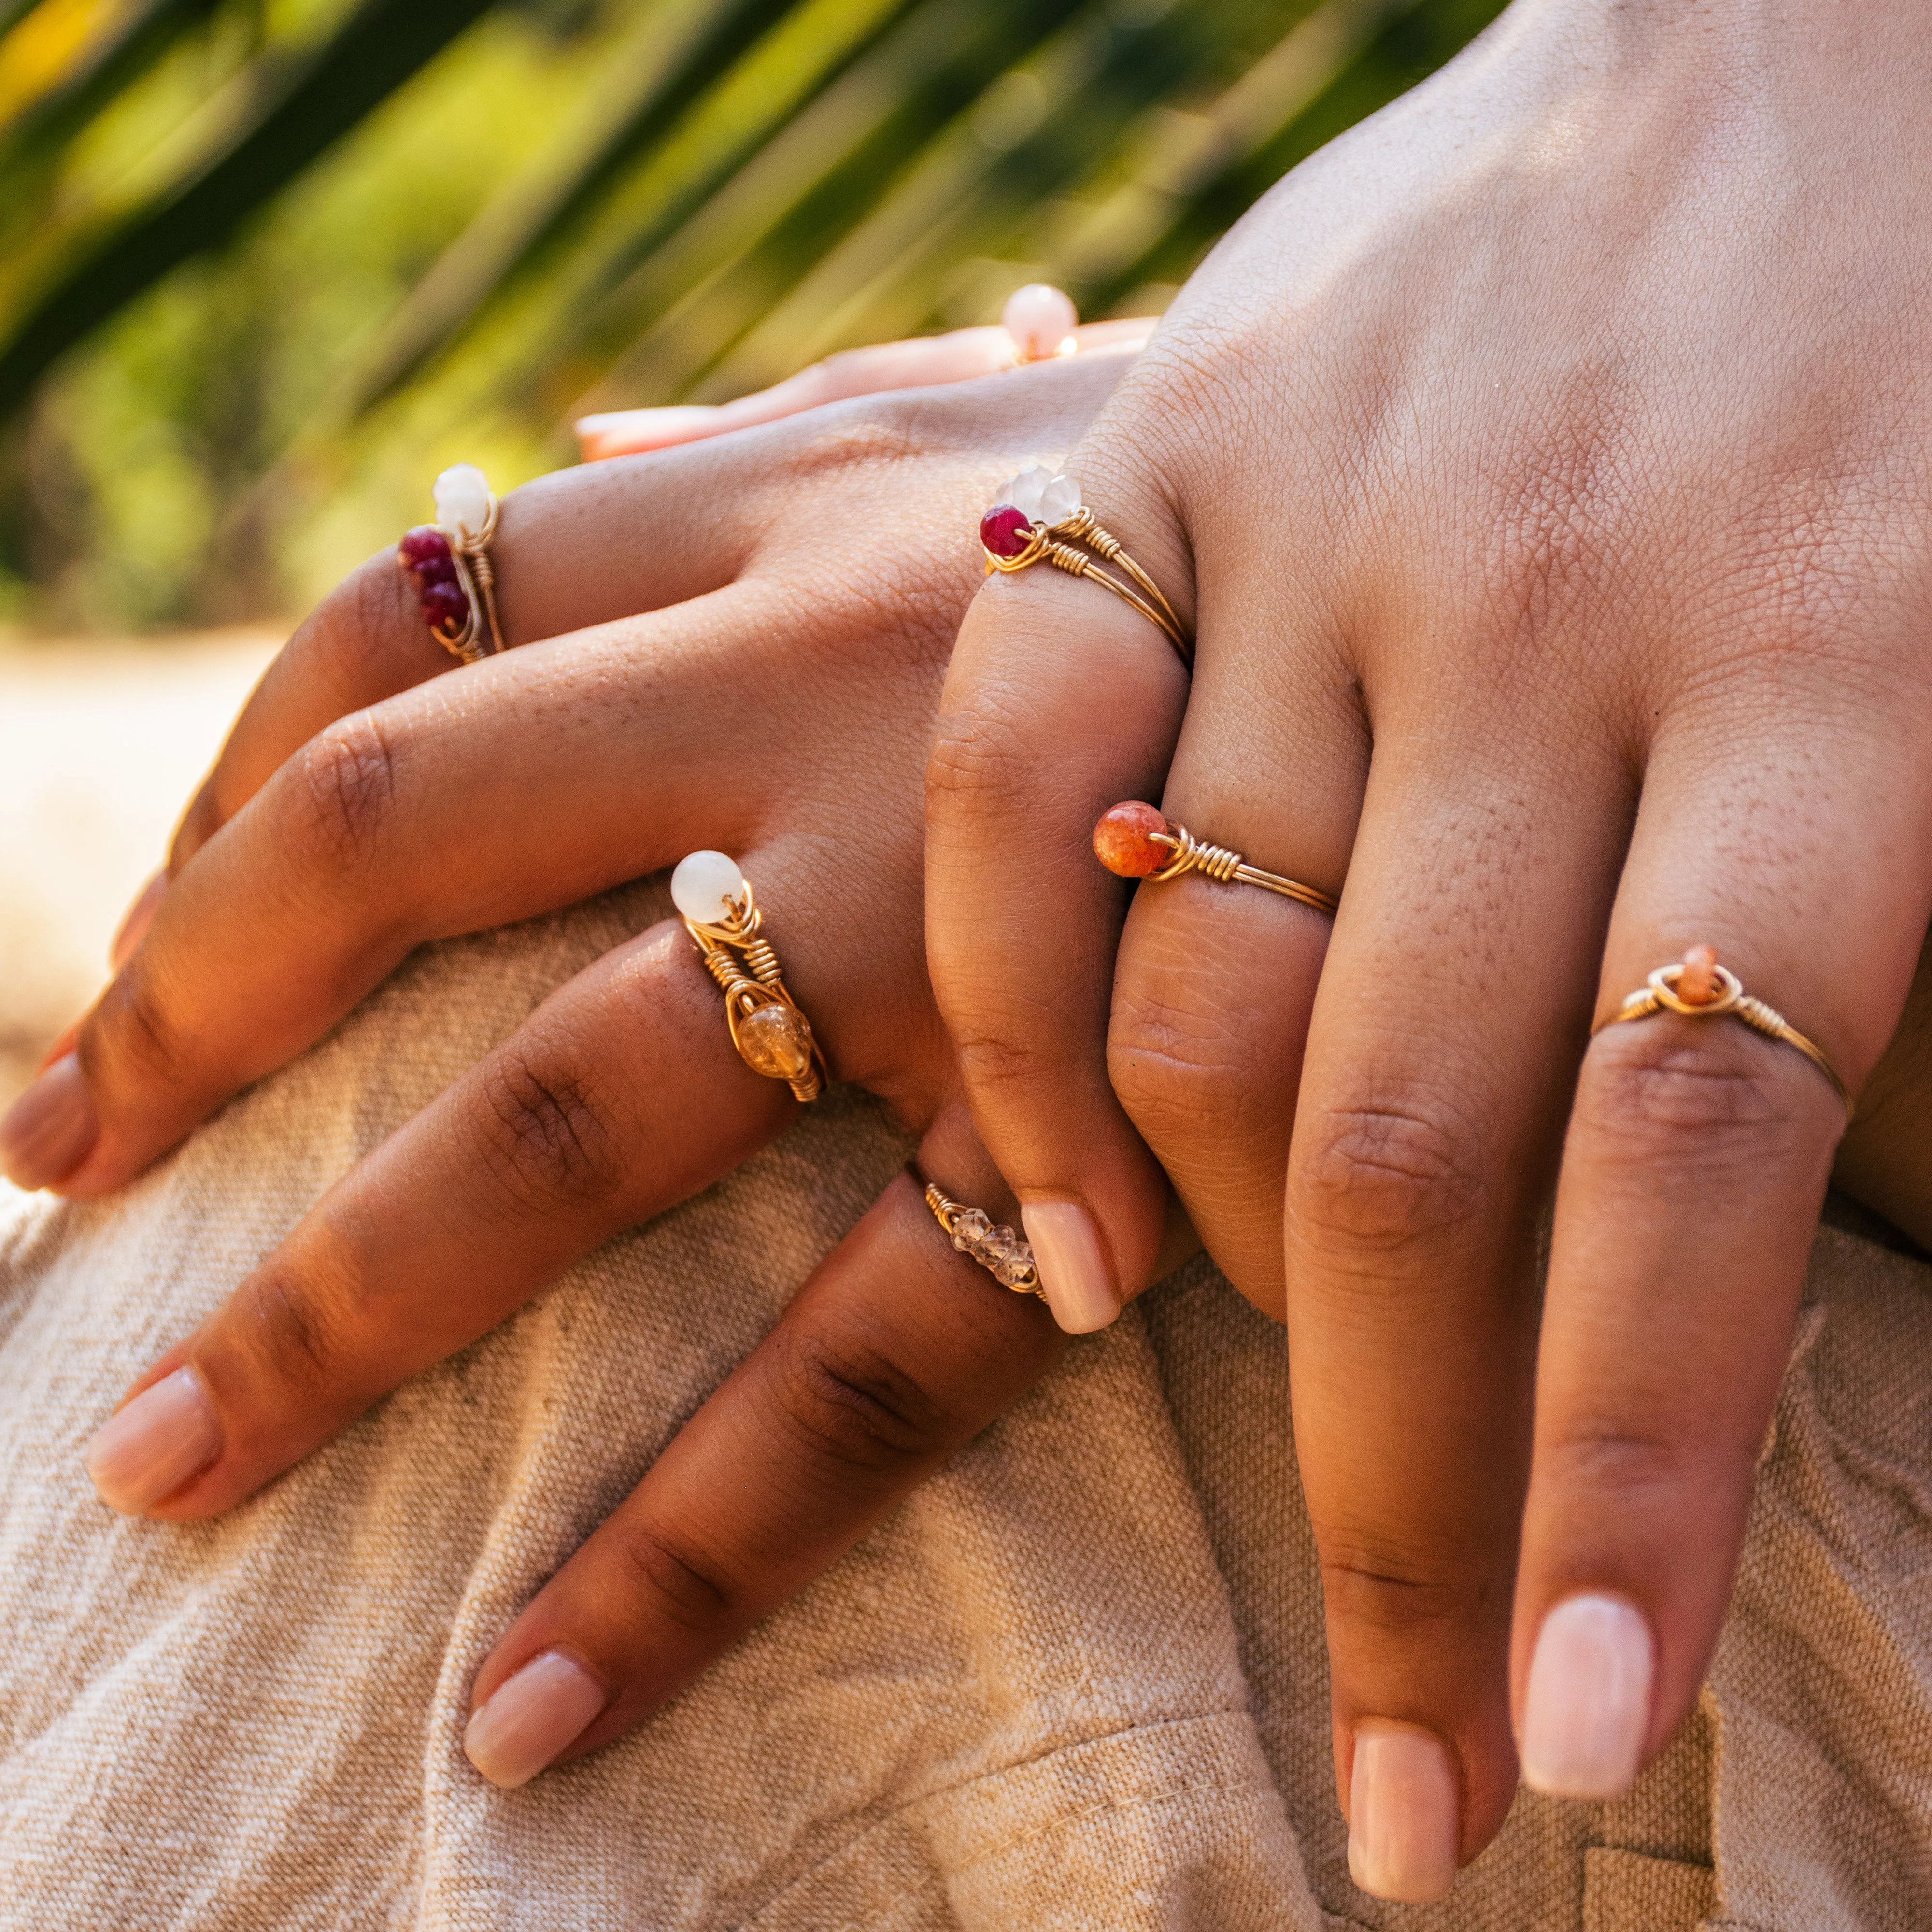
{"x": 423, "y": 544}
{"x": 444, "y": 605}
{"x": 1005, "y": 530}
{"x": 436, "y": 570}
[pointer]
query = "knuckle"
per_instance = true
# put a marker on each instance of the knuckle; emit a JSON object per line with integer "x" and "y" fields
{"x": 138, "y": 1031}
{"x": 293, "y": 1332}
{"x": 546, "y": 1135}
{"x": 979, "y": 755}
{"x": 1395, "y": 1592}
{"x": 857, "y": 1409}
{"x": 1182, "y": 1069}
{"x": 1687, "y": 1089}
{"x": 1383, "y": 1173}
{"x": 348, "y": 780}
{"x": 681, "y": 1585}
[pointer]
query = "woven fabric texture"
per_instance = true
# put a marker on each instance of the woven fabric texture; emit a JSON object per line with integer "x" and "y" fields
{"x": 1077, "y": 1682}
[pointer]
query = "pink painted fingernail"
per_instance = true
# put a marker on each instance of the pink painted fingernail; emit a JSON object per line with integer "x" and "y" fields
{"x": 147, "y": 1451}
{"x": 1072, "y": 1265}
{"x": 530, "y": 1718}
{"x": 1588, "y": 1710}
{"x": 1403, "y": 1829}
{"x": 50, "y": 1129}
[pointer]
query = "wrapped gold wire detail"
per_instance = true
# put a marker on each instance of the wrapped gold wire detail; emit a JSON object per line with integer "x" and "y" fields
{"x": 1039, "y": 519}
{"x": 1134, "y": 840}
{"x": 772, "y": 1036}
{"x": 1000, "y": 1252}
{"x": 1728, "y": 999}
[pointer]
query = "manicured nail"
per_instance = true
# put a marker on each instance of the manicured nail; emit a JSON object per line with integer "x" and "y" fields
{"x": 530, "y": 1718}
{"x": 136, "y": 921}
{"x": 1588, "y": 1711}
{"x": 50, "y": 1129}
{"x": 1072, "y": 1265}
{"x": 147, "y": 1451}
{"x": 1403, "y": 1805}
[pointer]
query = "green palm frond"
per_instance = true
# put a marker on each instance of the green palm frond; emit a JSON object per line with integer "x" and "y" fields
{"x": 281, "y": 252}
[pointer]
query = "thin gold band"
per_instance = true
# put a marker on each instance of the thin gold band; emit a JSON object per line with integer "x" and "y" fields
{"x": 1054, "y": 545}
{"x": 1001, "y": 1252}
{"x": 772, "y": 1034}
{"x": 1219, "y": 863}
{"x": 1658, "y": 994}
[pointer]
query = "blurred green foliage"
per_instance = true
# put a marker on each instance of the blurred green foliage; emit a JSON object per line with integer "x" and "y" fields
{"x": 266, "y": 265}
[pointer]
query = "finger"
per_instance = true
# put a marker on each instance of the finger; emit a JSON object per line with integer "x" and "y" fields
{"x": 369, "y": 843}
{"x": 1693, "y": 1170}
{"x": 894, "y": 1353}
{"x": 565, "y": 560}
{"x": 621, "y": 1095}
{"x": 919, "y": 363}
{"x": 1423, "y": 1151}
{"x": 1021, "y": 924}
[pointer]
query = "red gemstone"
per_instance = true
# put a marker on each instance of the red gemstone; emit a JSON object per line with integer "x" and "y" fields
{"x": 1005, "y": 530}
{"x": 436, "y": 570}
{"x": 1124, "y": 841}
{"x": 444, "y": 605}
{"x": 425, "y": 543}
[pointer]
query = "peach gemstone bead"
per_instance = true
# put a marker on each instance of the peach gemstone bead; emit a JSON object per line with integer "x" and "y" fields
{"x": 774, "y": 1042}
{"x": 1698, "y": 987}
{"x": 1124, "y": 841}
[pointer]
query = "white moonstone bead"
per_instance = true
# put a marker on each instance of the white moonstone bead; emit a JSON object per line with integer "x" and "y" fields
{"x": 462, "y": 495}
{"x": 1026, "y": 490}
{"x": 1041, "y": 319}
{"x": 1059, "y": 500}
{"x": 703, "y": 885}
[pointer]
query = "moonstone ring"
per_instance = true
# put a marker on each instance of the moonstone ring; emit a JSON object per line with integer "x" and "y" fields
{"x": 1039, "y": 518}
{"x": 771, "y": 1035}
{"x": 449, "y": 560}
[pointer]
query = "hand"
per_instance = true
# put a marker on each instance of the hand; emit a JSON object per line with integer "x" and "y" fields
{"x": 1545, "y": 464}
{"x": 803, "y": 585}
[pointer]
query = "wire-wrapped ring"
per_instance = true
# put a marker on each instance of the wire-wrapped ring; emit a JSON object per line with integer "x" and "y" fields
{"x": 449, "y": 560}
{"x": 1000, "y": 1252}
{"x": 720, "y": 912}
{"x": 1659, "y": 993}
{"x": 1134, "y": 840}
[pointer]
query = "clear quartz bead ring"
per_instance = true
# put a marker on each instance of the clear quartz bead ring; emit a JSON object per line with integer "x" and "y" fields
{"x": 773, "y": 1038}
{"x": 1039, "y": 518}
{"x": 1000, "y": 1252}
{"x": 449, "y": 560}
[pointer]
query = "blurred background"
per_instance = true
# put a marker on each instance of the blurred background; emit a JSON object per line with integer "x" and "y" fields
{"x": 267, "y": 265}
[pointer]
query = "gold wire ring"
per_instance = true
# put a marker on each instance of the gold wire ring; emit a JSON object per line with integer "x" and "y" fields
{"x": 1039, "y": 518}
{"x": 455, "y": 549}
{"x": 1132, "y": 839}
{"x": 1001, "y": 1252}
{"x": 1659, "y": 994}
{"x": 772, "y": 1036}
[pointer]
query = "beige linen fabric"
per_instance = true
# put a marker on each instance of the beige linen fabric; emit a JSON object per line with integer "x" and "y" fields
{"x": 1077, "y": 1682}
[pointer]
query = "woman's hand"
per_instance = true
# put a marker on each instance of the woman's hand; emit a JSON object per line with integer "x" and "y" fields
{"x": 802, "y": 586}
{"x": 1546, "y": 464}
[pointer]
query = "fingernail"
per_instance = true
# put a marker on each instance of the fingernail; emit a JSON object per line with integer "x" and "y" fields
{"x": 1402, "y": 1803}
{"x": 1072, "y": 1264}
{"x": 136, "y": 921}
{"x": 50, "y": 1129}
{"x": 530, "y": 1718}
{"x": 1588, "y": 1711}
{"x": 166, "y": 1435}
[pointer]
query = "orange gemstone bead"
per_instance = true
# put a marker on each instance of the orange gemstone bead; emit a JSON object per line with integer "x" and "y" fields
{"x": 1124, "y": 841}
{"x": 1698, "y": 986}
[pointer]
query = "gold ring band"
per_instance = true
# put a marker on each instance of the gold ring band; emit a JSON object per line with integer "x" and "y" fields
{"x": 449, "y": 562}
{"x": 1001, "y": 1252}
{"x": 1133, "y": 840}
{"x": 720, "y": 912}
{"x": 1039, "y": 517}
{"x": 1659, "y": 993}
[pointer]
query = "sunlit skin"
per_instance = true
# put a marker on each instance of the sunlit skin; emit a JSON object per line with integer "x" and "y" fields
{"x": 1543, "y": 466}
